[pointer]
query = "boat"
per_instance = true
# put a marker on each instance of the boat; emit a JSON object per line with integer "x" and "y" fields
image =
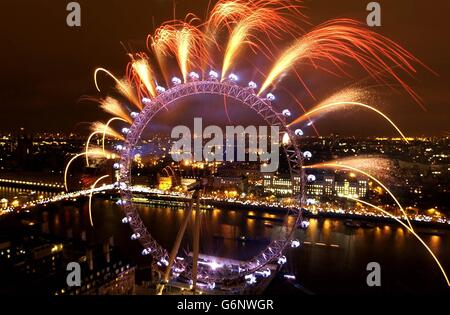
{"x": 367, "y": 225}
{"x": 243, "y": 238}
{"x": 352, "y": 224}
{"x": 256, "y": 217}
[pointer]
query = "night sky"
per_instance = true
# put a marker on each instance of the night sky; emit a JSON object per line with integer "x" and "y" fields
{"x": 47, "y": 67}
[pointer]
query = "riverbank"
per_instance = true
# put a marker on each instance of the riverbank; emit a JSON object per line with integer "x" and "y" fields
{"x": 283, "y": 210}
{"x": 158, "y": 199}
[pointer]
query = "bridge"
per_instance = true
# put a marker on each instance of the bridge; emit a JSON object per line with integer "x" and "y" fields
{"x": 179, "y": 198}
{"x": 48, "y": 185}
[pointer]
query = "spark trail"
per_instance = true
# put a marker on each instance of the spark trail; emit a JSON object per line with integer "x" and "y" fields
{"x": 410, "y": 229}
{"x": 143, "y": 73}
{"x": 94, "y": 153}
{"x": 345, "y": 104}
{"x": 114, "y": 107}
{"x": 340, "y": 39}
{"x": 90, "y": 197}
{"x": 104, "y": 130}
{"x": 261, "y": 20}
{"x": 358, "y": 170}
{"x": 182, "y": 40}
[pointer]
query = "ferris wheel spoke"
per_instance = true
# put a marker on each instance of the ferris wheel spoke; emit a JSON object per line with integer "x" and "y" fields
{"x": 165, "y": 263}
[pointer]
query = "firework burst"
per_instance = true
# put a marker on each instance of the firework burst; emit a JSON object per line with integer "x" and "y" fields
{"x": 268, "y": 21}
{"x": 101, "y": 128}
{"x": 344, "y": 99}
{"x": 141, "y": 72}
{"x": 255, "y": 24}
{"x": 184, "y": 41}
{"x": 114, "y": 107}
{"x": 336, "y": 40}
{"x": 360, "y": 165}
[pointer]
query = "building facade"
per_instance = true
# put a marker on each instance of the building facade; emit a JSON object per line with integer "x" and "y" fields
{"x": 280, "y": 185}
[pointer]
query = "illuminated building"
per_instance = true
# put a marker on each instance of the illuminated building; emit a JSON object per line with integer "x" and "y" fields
{"x": 346, "y": 188}
{"x": 33, "y": 258}
{"x": 32, "y": 263}
{"x": 164, "y": 182}
{"x": 328, "y": 185}
{"x": 187, "y": 181}
{"x": 282, "y": 186}
{"x": 3, "y": 203}
{"x": 228, "y": 182}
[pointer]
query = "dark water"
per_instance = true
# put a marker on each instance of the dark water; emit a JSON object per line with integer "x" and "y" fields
{"x": 332, "y": 260}
{"x": 406, "y": 266}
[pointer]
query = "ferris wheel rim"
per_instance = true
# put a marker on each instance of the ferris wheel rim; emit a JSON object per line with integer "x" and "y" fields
{"x": 247, "y": 97}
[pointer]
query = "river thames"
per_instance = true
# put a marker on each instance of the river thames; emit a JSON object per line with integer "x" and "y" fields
{"x": 332, "y": 258}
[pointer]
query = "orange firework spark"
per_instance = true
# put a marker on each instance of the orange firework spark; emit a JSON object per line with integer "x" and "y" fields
{"x": 126, "y": 89}
{"x": 96, "y": 153}
{"x": 343, "y": 99}
{"x": 94, "y": 185}
{"x": 410, "y": 229}
{"x": 245, "y": 19}
{"x": 106, "y": 128}
{"x": 263, "y": 20}
{"x": 299, "y": 103}
{"x": 381, "y": 166}
{"x": 141, "y": 72}
{"x": 114, "y": 107}
{"x": 338, "y": 39}
{"x": 227, "y": 12}
{"x": 102, "y": 128}
{"x": 123, "y": 86}
{"x": 87, "y": 145}
{"x": 350, "y": 165}
{"x": 182, "y": 40}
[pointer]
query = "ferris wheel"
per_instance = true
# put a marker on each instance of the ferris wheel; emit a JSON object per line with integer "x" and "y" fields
{"x": 165, "y": 260}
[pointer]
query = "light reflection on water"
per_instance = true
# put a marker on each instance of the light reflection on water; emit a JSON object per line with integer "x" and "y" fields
{"x": 333, "y": 258}
{"x": 11, "y": 192}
